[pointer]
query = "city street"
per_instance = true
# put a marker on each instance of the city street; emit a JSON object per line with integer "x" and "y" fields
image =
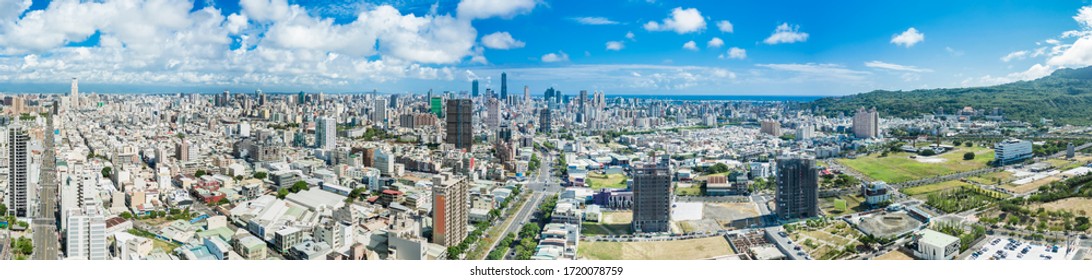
{"x": 46, "y": 244}
{"x": 542, "y": 185}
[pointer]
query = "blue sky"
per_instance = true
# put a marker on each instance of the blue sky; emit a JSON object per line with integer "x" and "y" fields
{"x": 620, "y": 47}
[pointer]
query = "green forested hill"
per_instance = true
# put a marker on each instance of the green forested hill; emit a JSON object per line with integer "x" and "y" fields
{"x": 1065, "y": 96}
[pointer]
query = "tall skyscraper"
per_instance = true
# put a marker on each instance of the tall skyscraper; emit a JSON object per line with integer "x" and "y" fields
{"x": 797, "y": 188}
{"x": 449, "y": 208}
{"x": 652, "y": 196}
{"x": 545, "y": 120}
{"x": 493, "y": 109}
{"x": 459, "y": 123}
{"x": 301, "y": 98}
{"x": 326, "y": 133}
{"x": 504, "y": 87}
{"x": 526, "y": 95}
{"x": 85, "y": 235}
{"x": 17, "y": 173}
{"x": 436, "y": 105}
{"x": 379, "y": 111}
{"x": 74, "y": 96}
{"x": 866, "y": 124}
{"x": 474, "y": 88}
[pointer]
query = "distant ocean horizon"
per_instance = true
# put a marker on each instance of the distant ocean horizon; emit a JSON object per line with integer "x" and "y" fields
{"x": 721, "y": 97}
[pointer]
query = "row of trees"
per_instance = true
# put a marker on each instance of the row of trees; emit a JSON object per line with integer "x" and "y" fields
{"x": 456, "y": 252}
{"x": 295, "y": 188}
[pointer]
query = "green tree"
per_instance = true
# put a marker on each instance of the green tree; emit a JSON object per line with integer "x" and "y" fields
{"x": 299, "y": 186}
{"x": 106, "y": 172}
{"x": 282, "y": 193}
{"x": 126, "y": 215}
{"x": 260, "y": 175}
{"x": 968, "y": 156}
{"x": 199, "y": 173}
{"x": 3, "y": 209}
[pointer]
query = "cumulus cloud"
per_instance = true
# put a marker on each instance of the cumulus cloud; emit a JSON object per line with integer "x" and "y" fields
{"x": 501, "y": 41}
{"x": 691, "y": 45}
{"x": 268, "y": 42}
{"x": 715, "y": 43}
{"x": 725, "y": 26}
{"x": 630, "y": 36}
{"x": 682, "y": 21}
{"x": 734, "y": 53}
{"x": 786, "y": 34}
{"x": 593, "y": 20}
{"x": 481, "y": 9}
{"x": 559, "y": 56}
{"x": 895, "y": 67}
{"x": 1016, "y": 55}
{"x": 615, "y": 45}
{"x": 908, "y": 38}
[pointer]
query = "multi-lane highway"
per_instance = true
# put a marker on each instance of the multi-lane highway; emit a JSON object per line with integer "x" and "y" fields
{"x": 46, "y": 243}
{"x": 542, "y": 185}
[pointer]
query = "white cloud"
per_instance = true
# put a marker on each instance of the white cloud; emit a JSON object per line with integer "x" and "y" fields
{"x": 628, "y": 77}
{"x": 833, "y": 72}
{"x": 682, "y": 21}
{"x": 630, "y": 36}
{"x": 908, "y": 38}
{"x": 715, "y": 43}
{"x": 786, "y": 34}
{"x": 560, "y": 56}
{"x": 269, "y": 42}
{"x": 481, "y": 9}
{"x": 1016, "y": 55}
{"x": 691, "y": 45}
{"x": 953, "y": 52}
{"x": 615, "y": 45}
{"x": 501, "y": 41}
{"x": 725, "y": 26}
{"x": 896, "y": 67}
{"x": 735, "y": 53}
{"x": 594, "y": 21}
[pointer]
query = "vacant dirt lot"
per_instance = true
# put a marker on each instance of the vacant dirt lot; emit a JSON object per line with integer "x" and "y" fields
{"x": 693, "y": 249}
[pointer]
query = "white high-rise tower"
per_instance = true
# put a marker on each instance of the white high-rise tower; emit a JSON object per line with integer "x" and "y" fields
{"x": 75, "y": 94}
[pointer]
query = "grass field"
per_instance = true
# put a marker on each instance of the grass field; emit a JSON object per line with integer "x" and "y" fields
{"x": 612, "y": 223}
{"x": 829, "y": 241}
{"x": 925, "y": 189}
{"x": 692, "y": 249}
{"x": 600, "y": 181}
{"x": 894, "y": 255}
{"x": 685, "y": 189}
{"x": 1076, "y": 205}
{"x": 899, "y": 167}
{"x": 853, "y": 204}
{"x": 992, "y": 178}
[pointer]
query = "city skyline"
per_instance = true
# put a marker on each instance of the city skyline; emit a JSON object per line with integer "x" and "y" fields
{"x": 624, "y": 47}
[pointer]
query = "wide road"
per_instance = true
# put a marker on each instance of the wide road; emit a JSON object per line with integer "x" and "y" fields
{"x": 542, "y": 185}
{"x": 46, "y": 244}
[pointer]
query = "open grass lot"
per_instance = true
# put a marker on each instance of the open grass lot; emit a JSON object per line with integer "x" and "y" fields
{"x": 612, "y": 223}
{"x": 926, "y": 189}
{"x": 899, "y": 167}
{"x": 1064, "y": 164}
{"x": 828, "y": 240}
{"x": 1034, "y": 185}
{"x": 1074, "y": 205}
{"x": 692, "y": 249}
{"x": 895, "y": 255}
{"x": 600, "y": 181}
{"x": 996, "y": 178}
{"x": 963, "y": 198}
{"x": 853, "y": 204}
{"x": 688, "y": 189}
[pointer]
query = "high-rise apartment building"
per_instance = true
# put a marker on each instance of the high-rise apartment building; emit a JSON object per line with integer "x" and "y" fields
{"x": 771, "y": 127}
{"x": 545, "y": 120}
{"x": 474, "y": 88}
{"x": 17, "y": 203}
{"x": 85, "y": 236}
{"x": 866, "y": 123}
{"x": 449, "y": 208}
{"x": 326, "y": 133}
{"x": 493, "y": 109}
{"x": 797, "y": 188}
{"x": 459, "y": 124}
{"x": 379, "y": 111}
{"x": 652, "y": 196}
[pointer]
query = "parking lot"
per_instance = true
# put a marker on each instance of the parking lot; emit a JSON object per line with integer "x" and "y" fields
{"x": 1004, "y": 248}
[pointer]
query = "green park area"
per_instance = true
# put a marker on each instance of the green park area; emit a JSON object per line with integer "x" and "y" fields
{"x": 931, "y": 188}
{"x": 597, "y": 181}
{"x": 901, "y": 167}
{"x": 841, "y": 205}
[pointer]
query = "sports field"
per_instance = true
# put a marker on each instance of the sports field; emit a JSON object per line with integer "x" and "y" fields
{"x": 899, "y": 167}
